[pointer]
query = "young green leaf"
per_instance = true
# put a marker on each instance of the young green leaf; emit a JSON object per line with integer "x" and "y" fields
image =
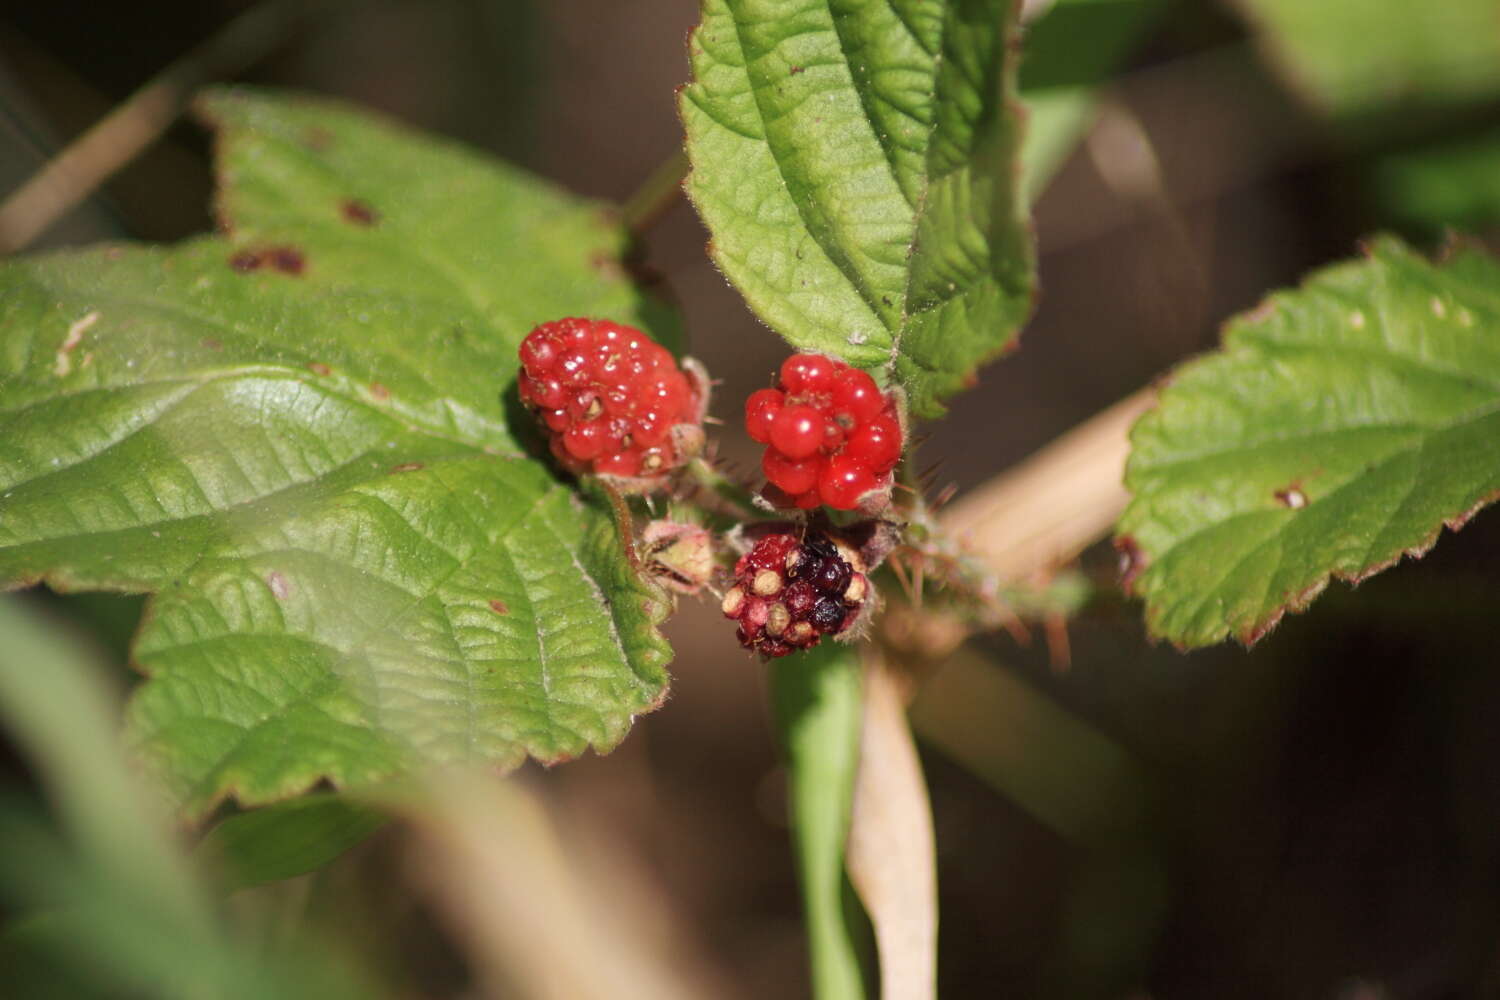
{"x": 1342, "y": 425}
{"x": 1358, "y": 57}
{"x": 856, "y": 165}
{"x": 297, "y": 436}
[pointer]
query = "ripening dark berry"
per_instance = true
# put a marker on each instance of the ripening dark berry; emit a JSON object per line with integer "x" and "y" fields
{"x": 615, "y": 401}
{"x": 831, "y": 436}
{"x": 790, "y": 591}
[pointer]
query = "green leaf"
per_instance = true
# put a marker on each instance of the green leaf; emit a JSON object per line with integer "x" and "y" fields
{"x": 1357, "y": 57}
{"x": 1342, "y": 425}
{"x": 1449, "y": 185}
{"x": 855, "y": 162}
{"x": 286, "y": 839}
{"x": 1073, "y": 46}
{"x": 101, "y": 901}
{"x": 297, "y": 436}
{"x": 816, "y": 696}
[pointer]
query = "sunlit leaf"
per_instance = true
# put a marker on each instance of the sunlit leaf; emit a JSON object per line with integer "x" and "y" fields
{"x": 297, "y": 434}
{"x": 856, "y": 165}
{"x": 1341, "y": 426}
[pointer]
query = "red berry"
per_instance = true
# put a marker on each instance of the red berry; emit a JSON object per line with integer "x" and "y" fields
{"x": 585, "y": 441}
{"x": 621, "y": 463}
{"x": 760, "y": 411}
{"x": 792, "y": 475}
{"x": 614, "y": 400}
{"x": 539, "y": 351}
{"x": 856, "y": 397}
{"x": 825, "y": 411}
{"x": 843, "y": 481}
{"x": 808, "y": 373}
{"x": 877, "y": 444}
{"x": 797, "y": 431}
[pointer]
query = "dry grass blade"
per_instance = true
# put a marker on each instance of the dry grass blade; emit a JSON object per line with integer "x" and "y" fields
{"x": 890, "y": 851}
{"x": 114, "y": 141}
{"x": 530, "y": 921}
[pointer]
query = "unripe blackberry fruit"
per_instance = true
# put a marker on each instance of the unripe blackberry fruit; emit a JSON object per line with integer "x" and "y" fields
{"x": 831, "y": 437}
{"x": 790, "y": 590}
{"x": 615, "y": 402}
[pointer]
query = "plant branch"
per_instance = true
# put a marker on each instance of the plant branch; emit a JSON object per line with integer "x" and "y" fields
{"x": 1053, "y": 505}
{"x": 72, "y": 175}
{"x": 656, "y": 194}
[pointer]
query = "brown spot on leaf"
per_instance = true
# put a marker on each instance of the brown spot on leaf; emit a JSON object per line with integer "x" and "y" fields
{"x": 287, "y": 260}
{"x": 319, "y": 368}
{"x": 245, "y": 261}
{"x": 606, "y": 265}
{"x": 1292, "y": 496}
{"x": 1132, "y": 561}
{"x": 211, "y": 344}
{"x": 406, "y": 467}
{"x": 499, "y": 607}
{"x": 284, "y": 259}
{"x": 280, "y": 588}
{"x": 317, "y": 138}
{"x": 360, "y": 213}
{"x": 379, "y": 392}
{"x": 797, "y": 69}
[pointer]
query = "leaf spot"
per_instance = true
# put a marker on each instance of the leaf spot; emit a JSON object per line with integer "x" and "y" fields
{"x": 499, "y": 607}
{"x": 1357, "y": 320}
{"x": 1132, "y": 561}
{"x": 73, "y": 339}
{"x": 211, "y": 344}
{"x": 856, "y": 338}
{"x": 319, "y": 368}
{"x": 317, "y": 138}
{"x": 359, "y": 213}
{"x": 1439, "y": 309}
{"x": 280, "y": 588}
{"x": 245, "y": 261}
{"x": 286, "y": 260}
{"x": 1292, "y": 497}
{"x": 379, "y": 392}
{"x": 406, "y": 467}
{"x": 1465, "y": 318}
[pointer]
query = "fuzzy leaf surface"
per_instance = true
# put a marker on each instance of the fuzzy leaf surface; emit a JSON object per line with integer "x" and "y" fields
{"x": 296, "y": 436}
{"x": 1340, "y": 427}
{"x": 856, "y": 164}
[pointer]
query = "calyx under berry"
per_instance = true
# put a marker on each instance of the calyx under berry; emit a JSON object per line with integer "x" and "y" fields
{"x": 831, "y": 436}
{"x": 793, "y": 588}
{"x": 614, "y": 401}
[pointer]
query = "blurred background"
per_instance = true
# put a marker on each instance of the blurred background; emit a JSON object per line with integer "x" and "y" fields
{"x": 1318, "y": 817}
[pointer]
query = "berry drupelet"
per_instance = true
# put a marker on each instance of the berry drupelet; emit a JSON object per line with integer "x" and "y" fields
{"x": 613, "y": 400}
{"x": 790, "y": 591}
{"x": 831, "y": 437}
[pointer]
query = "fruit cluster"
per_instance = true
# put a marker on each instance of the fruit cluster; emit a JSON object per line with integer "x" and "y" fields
{"x": 614, "y": 400}
{"x": 831, "y": 437}
{"x": 790, "y": 591}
